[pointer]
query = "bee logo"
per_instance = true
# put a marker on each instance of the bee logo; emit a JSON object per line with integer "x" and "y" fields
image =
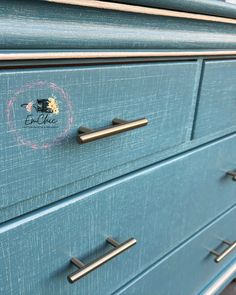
{"x": 48, "y": 105}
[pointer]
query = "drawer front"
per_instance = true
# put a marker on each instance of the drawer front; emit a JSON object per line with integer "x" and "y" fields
{"x": 217, "y": 102}
{"x": 191, "y": 267}
{"x": 45, "y": 108}
{"x": 160, "y": 207}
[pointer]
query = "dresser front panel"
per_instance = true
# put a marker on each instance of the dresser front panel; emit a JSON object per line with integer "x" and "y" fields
{"x": 160, "y": 206}
{"x": 216, "y": 112}
{"x": 191, "y": 267}
{"x": 39, "y": 151}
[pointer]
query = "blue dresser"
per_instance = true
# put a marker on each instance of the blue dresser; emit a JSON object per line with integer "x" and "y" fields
{"x": 118, "y": 135}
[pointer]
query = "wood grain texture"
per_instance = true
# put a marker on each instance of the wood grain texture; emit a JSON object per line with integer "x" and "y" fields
{"x": 217, "y": 99}
{"x": 36, "y": 248}
{"x": 22, "y": 27}
{"x": 195, "y": 265}
{"x": 211, "y": 7}
{"x": 33, "y": 161}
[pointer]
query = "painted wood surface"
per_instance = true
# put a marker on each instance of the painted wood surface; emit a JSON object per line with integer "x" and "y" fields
{"x": 153, "y": 11}
{"x": 44, "y": 25}
{"x": 161, "y": 207}
{"x": 217, "y": 100}
{"x": 223, "y": 279}
{"x": 82, "y": 184}
{"x": 188, "y": 268}
{"x": 211, "y": 7}
{"x": 33, "y": 158}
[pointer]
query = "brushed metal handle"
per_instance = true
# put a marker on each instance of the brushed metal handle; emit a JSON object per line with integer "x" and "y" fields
{"x": 227, "y": 251}
{"x": 86, "y": 135}
{"x": 85, "y": 269}
{"x": 233, "y": 174}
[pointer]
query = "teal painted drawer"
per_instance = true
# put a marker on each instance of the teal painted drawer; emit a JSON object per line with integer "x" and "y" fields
{"x": 43, "y": 109}
{"x": 190, "y": 267}
{"x": 217, "y": 102}
{"x": 160, "y": 206}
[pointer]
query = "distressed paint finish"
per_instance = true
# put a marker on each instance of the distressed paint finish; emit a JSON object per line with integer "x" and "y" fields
{"x": 32, "y": 165}
{"x": 35, "y": 249}
{"x": 211, "y": 7}
{"x": 22, "y": 27}
{"x": 166, "y": 206}
{"x": 83, "y": 184}
{"x": 190, "y": 267}
{"x": 217, "y": 99}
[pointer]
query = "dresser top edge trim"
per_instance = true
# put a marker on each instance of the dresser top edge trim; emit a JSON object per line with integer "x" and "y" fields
{"x": 144, "y": 10}
{"x": 6, "y": 56}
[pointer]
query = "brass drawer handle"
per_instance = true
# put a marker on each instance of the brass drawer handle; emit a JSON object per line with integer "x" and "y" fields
{"x": 87, "y": 135}
{"x": 85, "y": 269}
{"x": 227, "y": 251}
{"x": 233, "y": 174}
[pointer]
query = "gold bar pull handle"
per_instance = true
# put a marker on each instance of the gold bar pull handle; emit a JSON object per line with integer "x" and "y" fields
{"x": 86, "y": 135}
{"x": 233, "y": 174}
{"x": 85, "y": 269}
{"x": 227, "y": 251}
